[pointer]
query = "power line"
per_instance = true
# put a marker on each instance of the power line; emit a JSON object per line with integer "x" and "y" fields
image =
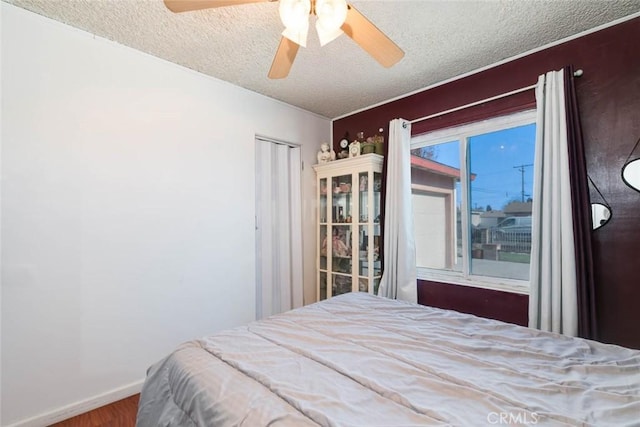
{"x": 521, "y": 169}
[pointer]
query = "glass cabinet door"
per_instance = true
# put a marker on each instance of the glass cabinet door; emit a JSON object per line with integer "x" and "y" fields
{"x": 322, "y": 207}
{"x": 363, "y": 184}
{"x": 341, "y": 261}
{"x": 377, "y": 194}
{"x": 376, "y": 264}
{"x": 341, "y": 284}
{"x": 341, "y": 216}
{"x": 323, "y": 247}
{"x": 322, "y": 290}
{"x": 340, "y": 249}
{"x": 363, "y": 258}
{"x": 369, "y": 240}
{"x": 341, "y": 234}
{"x": 364, "y": 212}
{"x": 342, "y": 204}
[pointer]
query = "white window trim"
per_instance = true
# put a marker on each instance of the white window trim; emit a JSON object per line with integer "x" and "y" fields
{"x": 463, "y": 133}
{"x": 484, "y": 282}
{"x": 472, "y": 129}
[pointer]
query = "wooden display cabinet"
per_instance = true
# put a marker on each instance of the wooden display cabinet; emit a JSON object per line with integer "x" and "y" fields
{"x": 348, "y": 225}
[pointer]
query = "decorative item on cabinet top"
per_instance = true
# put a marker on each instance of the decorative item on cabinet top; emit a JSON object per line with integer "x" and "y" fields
{"x": 361, "y": 145}
{"x": 354, "y": 149}
{"x": 344, "y": 144}
{"x": 349, "y": 163}
{"x": 374, "y": 144}
{"x": 325, "y": 154}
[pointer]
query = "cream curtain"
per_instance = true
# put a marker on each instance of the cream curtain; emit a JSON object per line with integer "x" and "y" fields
{"x": 399, "y": 276}
{"x": 553, "y": 294}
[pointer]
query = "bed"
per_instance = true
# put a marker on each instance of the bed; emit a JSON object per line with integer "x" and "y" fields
{"x": 362, "y": 360}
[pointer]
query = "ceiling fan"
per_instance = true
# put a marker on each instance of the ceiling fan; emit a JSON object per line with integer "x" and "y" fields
{"x": 335, "y": 17}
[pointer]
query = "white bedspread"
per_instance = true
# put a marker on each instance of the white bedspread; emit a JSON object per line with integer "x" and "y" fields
{"x": 361, "y": 360}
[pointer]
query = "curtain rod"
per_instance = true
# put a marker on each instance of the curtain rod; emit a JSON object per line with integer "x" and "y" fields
{"x": 577, "y": 73}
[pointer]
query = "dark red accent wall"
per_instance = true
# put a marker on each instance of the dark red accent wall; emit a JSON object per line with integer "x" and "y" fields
{"x": 499, "y": 305}
{"x": 609, "y": 102}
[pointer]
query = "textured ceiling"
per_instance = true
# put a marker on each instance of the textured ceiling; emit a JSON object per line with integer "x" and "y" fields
{"x": 442, "y": 39}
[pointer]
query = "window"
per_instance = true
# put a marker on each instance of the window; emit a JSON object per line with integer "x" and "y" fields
{"x": 472, "y": 204}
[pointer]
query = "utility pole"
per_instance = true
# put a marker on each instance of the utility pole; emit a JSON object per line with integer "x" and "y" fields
{"x": 521, "y": 169}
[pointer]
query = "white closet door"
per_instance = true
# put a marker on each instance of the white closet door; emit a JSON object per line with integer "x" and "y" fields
{"x": 278, "y": 228}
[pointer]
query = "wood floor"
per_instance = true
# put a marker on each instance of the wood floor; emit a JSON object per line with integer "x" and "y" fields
{"x": 118, "y": 414}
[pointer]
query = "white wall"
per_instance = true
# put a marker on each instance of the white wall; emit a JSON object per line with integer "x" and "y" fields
{"x": 127, "y": 211}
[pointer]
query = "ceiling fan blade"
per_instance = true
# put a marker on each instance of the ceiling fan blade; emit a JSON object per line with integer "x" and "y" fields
{"x": 178, "y": 6}
{"x": 284, "y": 58}
{"x": 371, "y": 39}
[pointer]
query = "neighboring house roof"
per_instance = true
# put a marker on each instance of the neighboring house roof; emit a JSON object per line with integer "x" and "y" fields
{"x": 515, "y": 208}
{"x": 493, "y": 214}
{"x": 436, "y": 167}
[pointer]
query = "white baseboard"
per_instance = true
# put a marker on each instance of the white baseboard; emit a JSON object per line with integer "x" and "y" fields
{"x": 80, "y": 407}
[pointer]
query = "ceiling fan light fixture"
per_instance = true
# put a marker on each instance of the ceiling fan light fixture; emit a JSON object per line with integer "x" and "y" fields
{"x": 325, "y": 36}
{"x": 294, "y": 15}
{"x": 331, "y": 15}
{"x": 297, "y": 35}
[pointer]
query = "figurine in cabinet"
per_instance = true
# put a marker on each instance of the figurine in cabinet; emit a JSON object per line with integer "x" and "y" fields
{"x": 338, "y": 246}
{"x": 363, "y": 183}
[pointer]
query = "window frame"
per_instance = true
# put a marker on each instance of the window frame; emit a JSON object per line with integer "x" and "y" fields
{"x": 462, "y": 134}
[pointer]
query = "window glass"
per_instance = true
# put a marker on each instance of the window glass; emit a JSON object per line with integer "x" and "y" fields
{"x": 501, "y": 185}
{"x": 435, "y": 178}
{"x": 472, "y": 199}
